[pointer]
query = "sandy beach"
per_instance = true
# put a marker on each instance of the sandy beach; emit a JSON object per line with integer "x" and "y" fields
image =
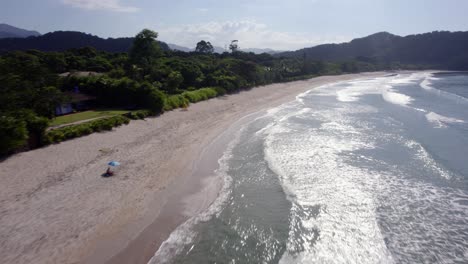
{"x": 56, "y": 208}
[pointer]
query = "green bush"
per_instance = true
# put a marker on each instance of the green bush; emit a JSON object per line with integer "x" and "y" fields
{"x": 69, "y": 132}
{"x": 96, "y": 126}
{"x": 200, "y": 94}
{"x": 192, "y": 96}
{"x": 140, "y": 114}
{"x": 150, "y": 97}
{"x": 54, "y": 136}
{"x": 108, "y": 125}
{"x": 175, "y": 101}
{"x": 85, "y": 130}
{"x": 183, "y": 100}
{"x": 220, "y": 91}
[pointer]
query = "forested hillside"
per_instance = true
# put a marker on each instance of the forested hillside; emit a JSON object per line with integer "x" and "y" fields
{"x": 65, "y": 40}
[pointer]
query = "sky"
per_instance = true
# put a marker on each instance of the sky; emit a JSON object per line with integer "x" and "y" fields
{"x": 275, "y": 24}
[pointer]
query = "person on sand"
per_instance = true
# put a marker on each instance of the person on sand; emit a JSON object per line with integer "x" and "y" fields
{"x": 109, "y": 172}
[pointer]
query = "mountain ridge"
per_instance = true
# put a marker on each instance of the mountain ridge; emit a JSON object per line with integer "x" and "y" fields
{"x": 9, "y": 31}
{"x": 443, "y": 49}
{"x": 437, "y": 48}
{"x": 65, "y": 40}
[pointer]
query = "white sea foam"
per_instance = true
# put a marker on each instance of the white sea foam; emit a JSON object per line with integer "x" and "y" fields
{"x": 356, "y": 89}
{"x": 380, "y": 86}
{"x": 390, "y": 95}
{"x": 300, "y": 96}
{"x": 312, "y": 174}
{"x": 420, "y": 110}
{"x": 407, "y": 79}
{"x": 323, "y": 90}
{"x": 396, "y": 98}
{"x": 427, "y": 159}
{"x": 427, "y": 85}
{"x": 440, "y": 121}
{"x": 414, "y": 215}
{"x": 348, "y": 96}
{"x": 423, "y": 223}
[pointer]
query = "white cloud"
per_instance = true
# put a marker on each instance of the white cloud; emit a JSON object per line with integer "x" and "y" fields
{"x": 108, "y": 5}
{"x": 249, "y": 33}
{"x": 202, "y": 10}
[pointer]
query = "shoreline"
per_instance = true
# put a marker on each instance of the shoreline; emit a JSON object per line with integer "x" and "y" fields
{"x": 56, "y": 208}
{"x": 190, "y": 196}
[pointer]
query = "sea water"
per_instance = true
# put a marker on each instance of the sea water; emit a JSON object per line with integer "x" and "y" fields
{"x": 367, "y": 171}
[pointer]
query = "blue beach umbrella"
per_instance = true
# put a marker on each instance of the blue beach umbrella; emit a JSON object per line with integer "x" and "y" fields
{"x": 114, "y": 163}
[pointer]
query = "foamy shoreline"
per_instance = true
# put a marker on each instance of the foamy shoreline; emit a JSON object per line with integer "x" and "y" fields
{"x": 55, "y": 207}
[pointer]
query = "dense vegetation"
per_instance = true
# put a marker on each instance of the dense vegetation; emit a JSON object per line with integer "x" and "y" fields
{"x": 437, "y": 50}
{"x": 148, "y": 80}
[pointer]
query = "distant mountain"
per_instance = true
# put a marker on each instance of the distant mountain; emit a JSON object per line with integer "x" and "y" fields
{"x": 179, "y": 48}
{"x": 219, "y": 50}
{"x": 185, "y": 49}
{"x": 12, "y": 38}
{"x": 7, "y": 35}
{"x": 222, "y": 50}
{"x": 439, "y": 49}
{"x": 64, "y": 40}
{"x": 7, "y": 31}
{"x": 260, "y": 51}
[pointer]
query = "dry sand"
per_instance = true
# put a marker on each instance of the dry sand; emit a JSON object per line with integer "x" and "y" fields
{"x": 56, "y": 208}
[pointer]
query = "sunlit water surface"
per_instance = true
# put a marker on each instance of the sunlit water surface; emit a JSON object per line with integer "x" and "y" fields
{"x": 368, "y": 171}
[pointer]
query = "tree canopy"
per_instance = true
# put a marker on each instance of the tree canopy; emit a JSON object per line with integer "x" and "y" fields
{"x": 145, "y": 49}
{"x": 204, "y": 47}
{"x": 234, "y": 46}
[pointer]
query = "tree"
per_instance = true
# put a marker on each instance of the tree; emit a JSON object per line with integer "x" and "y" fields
{"x": 35, "y": 125}
{"x": 55, "y": 61}
{"x": 190, "y": 70}
{"x": 204, "y": 47}
{"x": 87, "y": 52}
{"x": 145, "y": 48}
{"x": 13, "y": 133}
{"x": 174, "y": 80}
{"x": 45, "y": 100}
{"x": 234, "y": 46}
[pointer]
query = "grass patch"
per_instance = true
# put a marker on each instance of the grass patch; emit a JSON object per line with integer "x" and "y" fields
{"x": 67, "y": 119}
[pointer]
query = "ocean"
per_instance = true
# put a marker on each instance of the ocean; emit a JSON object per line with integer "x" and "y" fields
{"x": 366, "y": 171}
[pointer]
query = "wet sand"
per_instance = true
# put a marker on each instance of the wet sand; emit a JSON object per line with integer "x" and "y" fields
{"x": 56, "y": 208}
